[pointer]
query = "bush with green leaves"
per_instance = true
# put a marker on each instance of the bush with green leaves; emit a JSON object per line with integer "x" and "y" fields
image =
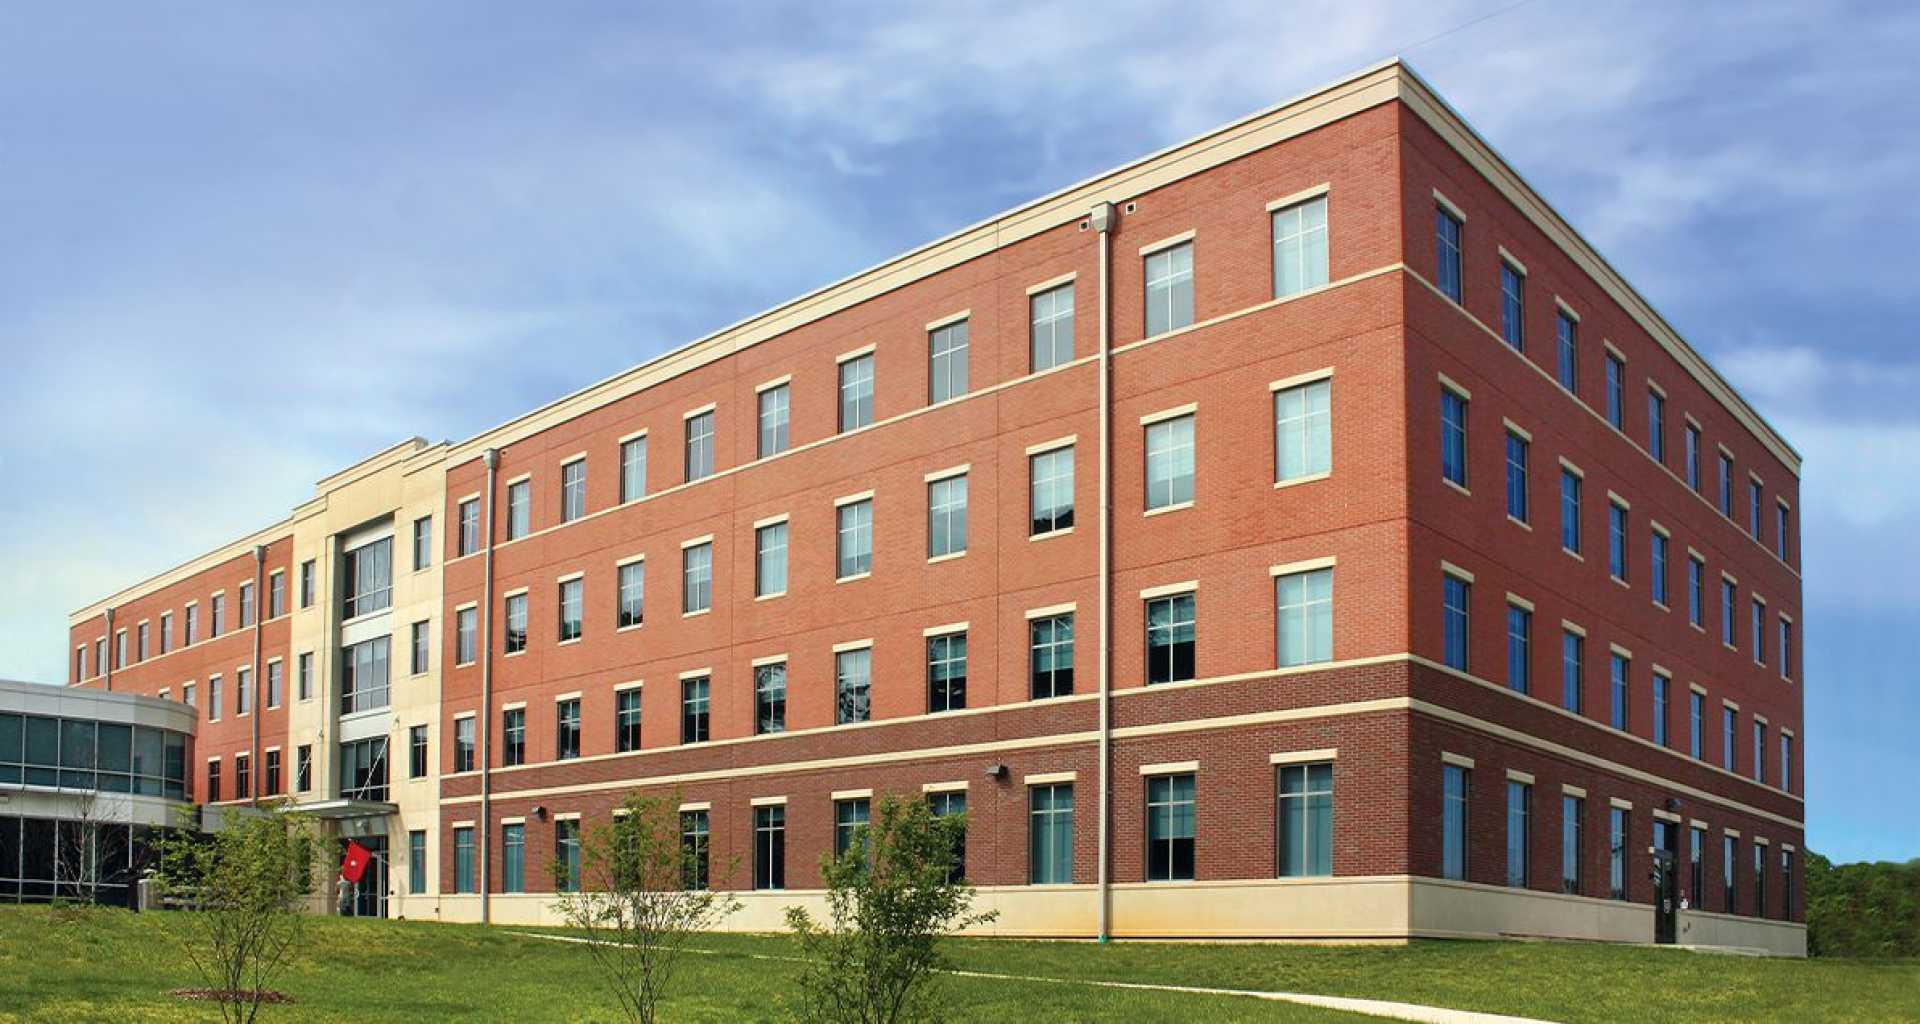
{"x": 248, "y": 884}
{"x": 891, "y": 898}
{"x": 643, "y": 891}
{"x": 1864, "y": 910}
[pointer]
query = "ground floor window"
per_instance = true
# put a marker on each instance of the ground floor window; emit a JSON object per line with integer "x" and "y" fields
{"x": 1050, "y": 854}
{"x": 1305, "y": 819}
{"x": 1170, "y": 828}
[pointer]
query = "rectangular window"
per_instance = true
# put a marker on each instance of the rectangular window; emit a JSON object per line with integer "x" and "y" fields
{"x": 853, "y": 549}
{"x": 1169, "y": 277}
{"x": 141, "y": 652}
{"x": 1697, "y": 867}
{"x": 1657, "y": 544}
{"x": 1170, "y": 831}
{"x": 1759, "y": 751}
{"x": 770, "y": 560}
{"x": 1519, "y": 832}
{"x": 1456, "y": 601}
{"x": 1299, "y": 247}
{"x": 1303, "y": 431}
{"x": 695, "y": 695}
{"x": 1050, "y": 483}
{"x": 303, "y": 767}
{"x": 276, "y": 683}
{"x": 953, "y": 804}
{"x": 573, "y": 490}
{"x": 1729, "y": 633}
{"x": 1753, "y": 508}
{"x": 572, "y": 617}
{"x": 513, "y": 737}
{"x": 216, "y": 624}
{"x": 852, "y": 684}
{"x": 1728, "y": 859}
{"x": 1758, "y": 628}
{"x": 463, "y": 744}
{"x": 856, "y": 393}
{"x": 463, "y": 864}
{"x": 1726, "y": 485}
{"x": 1759, "y": 880}
{"x": 1169, "y": 449}
{"x": 519, "y": 509}
{"x": 307, "y": 585}
{"x": 1617, "y": 853}
{"x": 1786, "y": 885}
{"x": 166, "y": 639}
{"x": 1781, "y": 518}
{"x": 366, "y": 571}
{"x": 696, "y": 578}
{"x": 850, "y": 819}
{"x": 515, "y": 638}
{"x": 1662, "y": 707}
{"x": 1303, "y": 617}
{"x": 1568, "y": 330}
{"x": 566, "y": 729}
{"x": 1617, "y": 541}
{"x": 243, "y": 691}
{"x": 417, "y": 752}
{"x": 1696, "y": 592}
{"x": 513, "y": 859}
{"x": 417, "y": 660}
{"x": 633, "y": 469}
{"x": 1447, "y": 252}
{"x": 700, "y": 446}
{"x": 770, "y": 847}
{"x": 1453, "y": 822}
{"x": 1519, "y": 648}
{"x": 469, "y": 538}
{"x": 1657, "y": 426}
{"x": 246, "y": 605}
{"x": 946, "y": 672}
{"x": 213, "y": 781}
{"x": 191, "y": 634}
{"x": 1691, "y": 453}
{"x": 1729, "y": 739}
{"x": 1616, "y": 389}
{"x": 1573, "y": 812}
{"x": 947, "y": 362}
{"x": 1051, "y": 639}
{"x": 1573, "y": 671}
{"x": 364, "y": 675}
{"x": 947, "y": 516}
{"x": 1453, "y": 437}
{"x": 422, "y": 547}
{"x": 1517, "y": 452}
{"x": 1052, "y": 327}
{"x": 1696, "y": 722}
{"x": 1570, "y": 487}
{"x": 270, "y": 775}
{"x": 1620, "y": 681}
{"x": 416, "y": 862}
{"x": 1786, "y": 761}
{"x": 1050, "y": 834}
{"x": 770, "y": 698}
{"x": 214, "y": 709}
{"x": 1170, "y": 638}
{"x": 303, "y": 682}
{"x": 566, "y": 850}
{"x": 1305, "y": 819}
{"x": 633, "y": 594}
{"x": 775, "y": 414}
{"x": 363, "y": 770}
{"x": 1513, "y": 307}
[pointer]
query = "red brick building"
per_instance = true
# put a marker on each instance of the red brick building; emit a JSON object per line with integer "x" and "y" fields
{"x": 1307, "y": 504}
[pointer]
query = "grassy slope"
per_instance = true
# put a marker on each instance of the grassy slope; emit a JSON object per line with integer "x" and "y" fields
{"x": 117, "y": 966}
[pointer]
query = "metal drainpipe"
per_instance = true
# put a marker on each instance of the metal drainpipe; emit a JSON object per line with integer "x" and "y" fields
{"x": 255, "y": 758}
{"x": 492, "y": 458}
{"x": 1101, "y": 218}
{"x": 106, "y": 650}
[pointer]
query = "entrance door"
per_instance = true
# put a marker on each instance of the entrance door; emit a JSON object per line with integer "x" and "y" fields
{"x": 369, "y": 895}
{"x": 1666, "y": 896}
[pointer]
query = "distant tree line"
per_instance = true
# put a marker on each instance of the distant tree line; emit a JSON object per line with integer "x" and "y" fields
{"x": 1870, "y": 910}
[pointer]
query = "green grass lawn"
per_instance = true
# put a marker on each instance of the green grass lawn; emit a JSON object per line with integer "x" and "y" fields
{"x": 109, "y": 965}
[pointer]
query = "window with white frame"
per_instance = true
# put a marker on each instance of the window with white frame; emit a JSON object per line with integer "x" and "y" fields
{"x": 515, "y": 638}
{"x": 1303, "y": 431}
{"x": 633, "y": 594}
{"x": 775, "y": 412}
{"x": 1051, "y": 655}
{"x": 852, "y": 685}
{"x": 573, "y": 490}
{"x": 856, "y": 392}
{"x": 946, "y": 672}
{"x": 700, "y": 446}
{"x": 572, "y": 605}
{"x": 1170, "y": 458}
{"x": 1299, "y": 247}
{"x": 1169, "y": 289}
{"x": 770, "y": 560}
{"x": 519, "y": 508}
{"x": 1050, "y": 482}
{"x": 947, "y": 362}
{"x": 1305, "y": 819}
{"x": 633, "y": 469}
{"x": 466, "y": 635}
{"x": 853, "y": 555}
{"x": 1171, "y": 628}
{"x": 947, "y": 516}
{"x": 696, "y": 578}
{"x": 1170, "y": 827}
{"x": 1304, "y": 617}
{"x": 1052, "y": 327}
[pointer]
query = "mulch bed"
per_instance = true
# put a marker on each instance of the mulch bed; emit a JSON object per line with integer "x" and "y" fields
{"x": 228, "y": 995}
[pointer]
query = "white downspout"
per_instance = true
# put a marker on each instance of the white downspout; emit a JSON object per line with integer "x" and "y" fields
{"x": 492, "y": 458}
{"x": 1101, "y": 218}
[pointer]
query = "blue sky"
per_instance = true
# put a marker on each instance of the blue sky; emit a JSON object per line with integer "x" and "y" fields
{"x": 242, "y": 246}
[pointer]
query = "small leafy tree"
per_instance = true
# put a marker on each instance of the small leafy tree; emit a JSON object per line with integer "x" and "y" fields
{"x": 642, "y": 893}
{"x": 248, "y": 883}
{"x": 891, "y": 898}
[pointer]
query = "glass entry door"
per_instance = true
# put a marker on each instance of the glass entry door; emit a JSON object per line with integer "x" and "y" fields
{"x": 368, "y": 898}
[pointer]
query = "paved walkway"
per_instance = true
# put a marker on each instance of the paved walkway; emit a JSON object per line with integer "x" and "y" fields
{"x": 1371, "y": 1007}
